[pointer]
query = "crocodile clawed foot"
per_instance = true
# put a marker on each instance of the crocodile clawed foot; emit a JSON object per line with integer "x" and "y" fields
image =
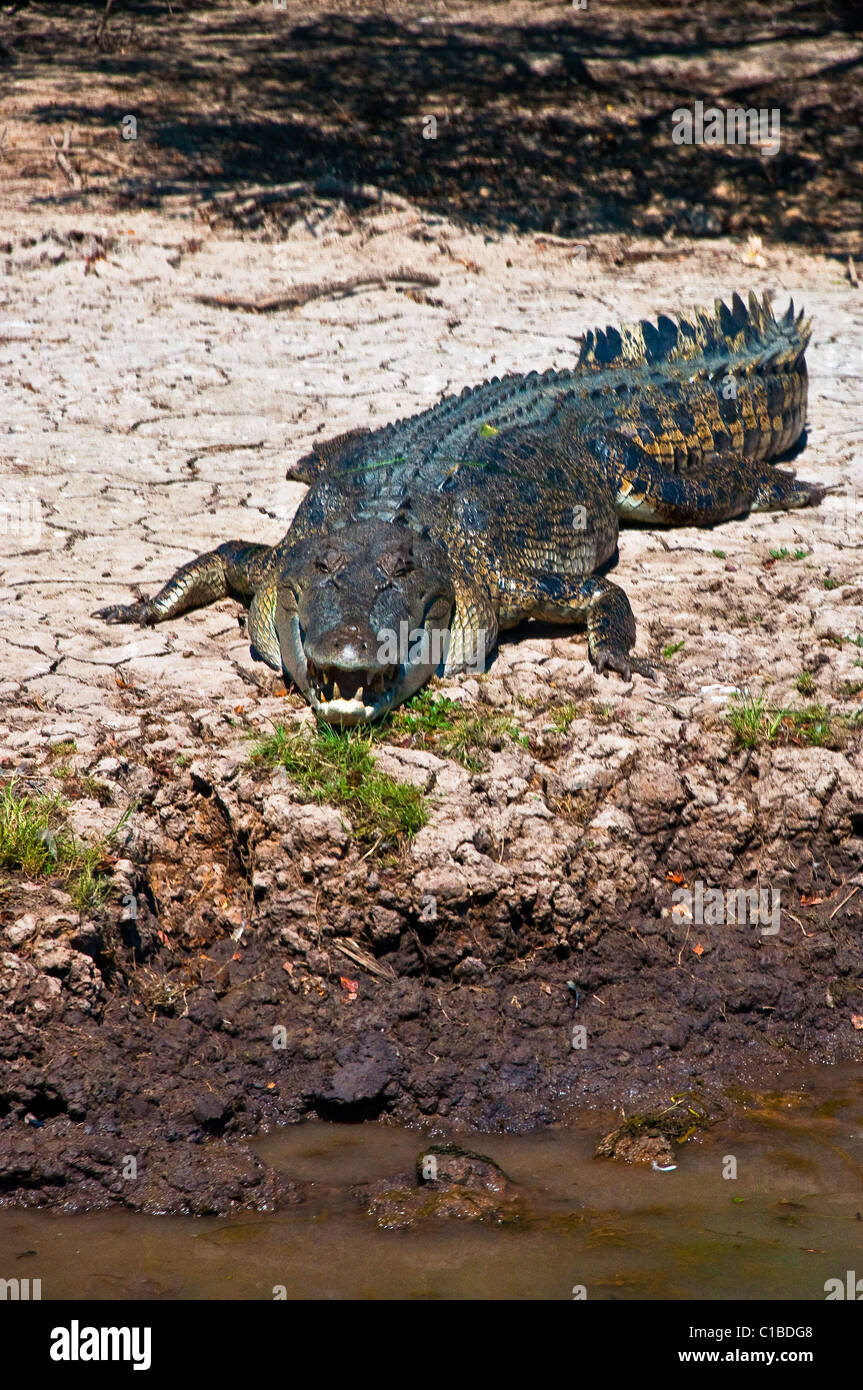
{"x": 608, "y": 660}
{"x": 124, "y": 612}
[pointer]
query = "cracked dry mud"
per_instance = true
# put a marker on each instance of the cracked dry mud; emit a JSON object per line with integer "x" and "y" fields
{"x": 141, "y": 427}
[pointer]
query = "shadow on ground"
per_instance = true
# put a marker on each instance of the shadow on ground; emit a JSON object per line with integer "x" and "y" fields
{"x": 544, "y": 117}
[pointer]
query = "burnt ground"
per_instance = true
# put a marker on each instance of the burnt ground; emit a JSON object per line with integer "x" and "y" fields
{"x": 247, "y": 957}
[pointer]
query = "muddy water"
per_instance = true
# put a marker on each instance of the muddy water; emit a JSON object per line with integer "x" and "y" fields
{"x": 791, "y": 1219}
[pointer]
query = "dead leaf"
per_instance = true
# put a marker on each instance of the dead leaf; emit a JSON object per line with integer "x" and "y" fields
{"x": 752, "y": 253}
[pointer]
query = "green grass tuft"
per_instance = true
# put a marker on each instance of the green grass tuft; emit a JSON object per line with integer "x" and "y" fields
{"x": 785, "y": 554}
{"x": 746, "y": 715}
{"x": 32, "y": 837}
{"x": 754, "y": 722}
{"x": 672, "y": 649}
{"x": 451, "y": 729}
{"x": 561, "y": 716}
{"x": 35, "y": 840}
{"x": 337, "y": 768}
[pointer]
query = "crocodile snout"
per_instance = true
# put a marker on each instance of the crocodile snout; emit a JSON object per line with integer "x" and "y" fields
{"x": 346, "y": 676}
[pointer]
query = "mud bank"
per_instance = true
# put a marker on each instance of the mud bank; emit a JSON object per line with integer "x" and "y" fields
{"x": 254, "y": 966}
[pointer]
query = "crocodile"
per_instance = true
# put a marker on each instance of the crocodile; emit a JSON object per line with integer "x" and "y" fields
{"x": 418, "y": 542}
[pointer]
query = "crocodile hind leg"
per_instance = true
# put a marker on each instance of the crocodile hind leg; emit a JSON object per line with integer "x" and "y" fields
{"x": 730, "y": 486}
{"x": 234, "y": 569}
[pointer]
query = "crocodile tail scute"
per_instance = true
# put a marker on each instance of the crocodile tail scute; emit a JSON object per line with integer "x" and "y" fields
{"x": 750, "y": 334}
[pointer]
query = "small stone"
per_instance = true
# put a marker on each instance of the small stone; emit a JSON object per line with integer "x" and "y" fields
{"x": 471, "y": 968}
{"x": 21, "y": 930}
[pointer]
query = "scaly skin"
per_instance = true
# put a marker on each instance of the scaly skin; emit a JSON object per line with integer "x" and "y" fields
{"x": 417, "y": 543}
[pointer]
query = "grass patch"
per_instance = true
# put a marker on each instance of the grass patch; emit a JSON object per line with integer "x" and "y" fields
{"x": 451, "y": 729}
{"x": 603, "y": 712}
{"x": 35, "y": 840}
{"x": 720, "y": 554}
{"x": 805, "y": 683}
{"x": 79, "y": 786}
{"x": 672, "y": 649}
{"x": 63, "y": 748}
{"x": 90, "y": 887}
{"x": 831, "y": 583}
{"x": 32, "y": 837}
{"x": 785, "y": 554}
{"x": 753, "y": 722}
{"x": 337, "y": 768}
{"x": 746, "y": 714}
{"x": 812, "y": 725}
{"x": 561, "y": 716}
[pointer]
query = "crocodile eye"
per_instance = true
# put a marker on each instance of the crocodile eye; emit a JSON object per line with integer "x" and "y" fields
{"x": 328, "y": 561}
{"x": 397, "y": 563}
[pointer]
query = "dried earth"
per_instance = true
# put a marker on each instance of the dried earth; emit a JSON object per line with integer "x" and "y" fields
{"x": 251, "y": 960}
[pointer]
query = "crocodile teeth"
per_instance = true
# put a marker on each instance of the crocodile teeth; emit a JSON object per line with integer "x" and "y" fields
{"x": 337, "y": 694}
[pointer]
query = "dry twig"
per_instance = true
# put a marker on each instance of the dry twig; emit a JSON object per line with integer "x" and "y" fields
{"x": 302, "y": 294}
{"x": 61, "y": 155}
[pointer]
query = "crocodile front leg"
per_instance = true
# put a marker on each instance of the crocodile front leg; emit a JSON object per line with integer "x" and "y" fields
{"x": 473, "y": 628}
{"x": 611, "y": 629}
{"x": 604, "y": 609}
{"x": 234, "y": 569}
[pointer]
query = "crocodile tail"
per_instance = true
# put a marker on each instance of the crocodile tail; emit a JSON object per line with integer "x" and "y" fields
{"x": 749, "y": 337}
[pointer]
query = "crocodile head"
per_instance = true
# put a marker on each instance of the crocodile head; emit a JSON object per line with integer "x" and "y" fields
{"x": 362, "y": 616}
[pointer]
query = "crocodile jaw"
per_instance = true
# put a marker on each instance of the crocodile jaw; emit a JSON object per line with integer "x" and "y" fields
{"x": 371, "y": 700}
